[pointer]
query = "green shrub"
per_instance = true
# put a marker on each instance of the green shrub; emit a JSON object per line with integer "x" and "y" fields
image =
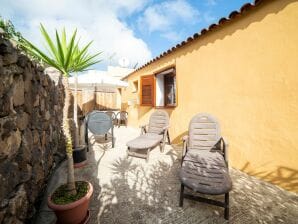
{"x": 9, "y": 30}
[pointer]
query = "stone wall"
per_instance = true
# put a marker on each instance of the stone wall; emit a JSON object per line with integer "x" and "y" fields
{"x": 31, "y": 138}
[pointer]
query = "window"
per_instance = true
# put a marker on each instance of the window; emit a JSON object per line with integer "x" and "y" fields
{"x": 159, "y": 89}
{"x": 147, "y": 90}
{"x": 166, "y": 88}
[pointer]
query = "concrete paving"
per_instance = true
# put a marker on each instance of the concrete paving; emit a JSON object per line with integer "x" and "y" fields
{"x": 129, "y": 190}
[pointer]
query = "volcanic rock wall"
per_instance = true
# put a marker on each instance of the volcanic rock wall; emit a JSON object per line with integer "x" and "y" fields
{"x": 31, "y": 138}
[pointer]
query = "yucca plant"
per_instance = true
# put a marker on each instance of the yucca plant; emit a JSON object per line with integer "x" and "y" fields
{"x": 69, "y": 58}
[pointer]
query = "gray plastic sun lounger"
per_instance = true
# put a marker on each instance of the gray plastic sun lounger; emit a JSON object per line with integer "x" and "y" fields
{"x": 156, "y": 134}
{"x": 204, "y": 167}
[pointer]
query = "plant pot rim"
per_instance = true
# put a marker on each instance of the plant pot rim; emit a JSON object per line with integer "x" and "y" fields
{"x": 81, "y": 164}
{"x": 74, "y": 204}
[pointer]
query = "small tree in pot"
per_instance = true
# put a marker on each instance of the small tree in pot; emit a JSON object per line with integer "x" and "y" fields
{"x": 66, "y": 56}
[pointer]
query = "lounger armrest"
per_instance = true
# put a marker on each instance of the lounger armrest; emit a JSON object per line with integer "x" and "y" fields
{"x": 185, "y": 145}
{"x": 166, "y": 127}
{"x": 165, "y": 130}
{"x": 185, "y": 138}
{"x": 143, "y": 128}
{"x": 143, "y": 125}
{"x": 225, "y": 148}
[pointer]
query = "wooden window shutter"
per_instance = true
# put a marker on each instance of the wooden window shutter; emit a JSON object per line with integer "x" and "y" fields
{"x": 147, "y": 90}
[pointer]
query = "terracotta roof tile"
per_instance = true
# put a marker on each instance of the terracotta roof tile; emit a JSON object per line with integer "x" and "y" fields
{"x": 196, "y": 35}
{"x": 189, "y": 39}
{"x": 222, "y": 21}
{"x": 257, "y": 2}
{"x": 234, "y": 14}
{"x": 203, "y": 31}
{"x": 212, "y": 26}
{"x": 246, "y": 7}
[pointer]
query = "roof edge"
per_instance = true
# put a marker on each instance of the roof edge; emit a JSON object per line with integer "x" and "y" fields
{"x": 224, "y": 20}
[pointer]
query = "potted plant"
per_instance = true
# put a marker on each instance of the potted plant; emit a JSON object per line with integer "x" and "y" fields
{"x": 71, "y": 200}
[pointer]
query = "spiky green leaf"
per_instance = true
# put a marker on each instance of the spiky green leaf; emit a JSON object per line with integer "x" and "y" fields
{"x": 70, "y": 51}
{"x": 63, "y": 41}
{"x": 60, "y": 51}
{"x": 49, "y": 42}
{"x": 66, "y": 56}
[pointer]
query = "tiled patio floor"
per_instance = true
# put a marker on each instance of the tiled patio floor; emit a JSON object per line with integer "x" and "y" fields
{"x": 131, "y": 191}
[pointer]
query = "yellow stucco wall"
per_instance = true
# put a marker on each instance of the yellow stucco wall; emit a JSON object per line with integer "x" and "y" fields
{"x": 246, "y": 74}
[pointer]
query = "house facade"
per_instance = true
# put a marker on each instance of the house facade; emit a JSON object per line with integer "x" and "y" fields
{"x": 244, "y": 71}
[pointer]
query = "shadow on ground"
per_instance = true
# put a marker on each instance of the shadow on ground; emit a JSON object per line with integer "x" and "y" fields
{"x": 129, "y": 190}
{"x": 138, "y": 196}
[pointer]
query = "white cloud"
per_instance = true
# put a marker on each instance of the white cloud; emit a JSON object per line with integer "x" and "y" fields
{"x": 172, "y": 36}
{"x": 211, "y": 2}
{"x": 128, "y": 6}
{"x": 162, "y": 17}
{"x": 96, "y": 20}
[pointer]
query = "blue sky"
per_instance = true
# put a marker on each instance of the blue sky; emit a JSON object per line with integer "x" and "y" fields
{"x": 202, "y": 14}
{"x": 134, "y": 29}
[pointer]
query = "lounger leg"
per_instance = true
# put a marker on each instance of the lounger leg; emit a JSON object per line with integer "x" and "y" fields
{"x": 164, "y": 142}
{"x": 181, "y": 196}
{"x": 227, "y": 206}
{"x": 106, "y": 136}
{"x": 163, "y": 146}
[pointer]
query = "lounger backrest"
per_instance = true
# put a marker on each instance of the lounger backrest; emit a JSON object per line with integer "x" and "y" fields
{"x": 158, "y": 120}
{"x": 204, "y": 131}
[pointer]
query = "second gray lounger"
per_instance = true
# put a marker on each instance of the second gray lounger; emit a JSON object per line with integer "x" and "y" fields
{"x": 155, "y": 134}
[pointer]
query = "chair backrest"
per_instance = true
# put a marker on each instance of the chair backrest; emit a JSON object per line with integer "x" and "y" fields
{"x": 99, "y": 123}
{"x": 204, "y": 131}
{"x": 158, "y": 120}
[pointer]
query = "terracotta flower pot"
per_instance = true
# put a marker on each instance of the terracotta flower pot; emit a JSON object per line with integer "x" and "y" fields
{"x": 72, "y": 213}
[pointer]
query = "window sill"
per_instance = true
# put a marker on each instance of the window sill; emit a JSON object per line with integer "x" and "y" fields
{"x": 165, "y": 107}
{"x": 158, "y": 107}
{"x": 145, "y": 105}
